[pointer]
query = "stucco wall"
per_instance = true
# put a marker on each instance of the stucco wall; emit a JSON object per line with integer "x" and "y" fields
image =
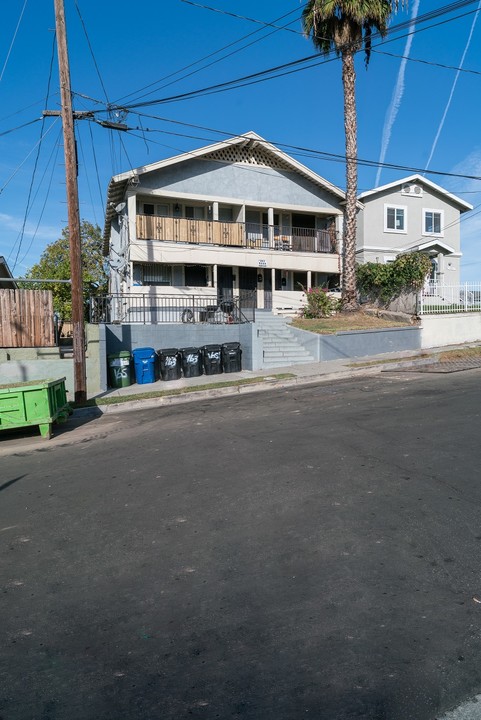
{"x": 439, "y": 330}
{"x": 23, "y": 364}
{"x": 360, "y": 343}
{"x": 240, "y": 183}
{"x": 159, "y": 337}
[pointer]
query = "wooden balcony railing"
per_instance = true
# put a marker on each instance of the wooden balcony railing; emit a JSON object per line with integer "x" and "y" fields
{"x": 232, "y": 234}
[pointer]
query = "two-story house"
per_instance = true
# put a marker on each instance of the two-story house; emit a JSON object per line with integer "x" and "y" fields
{"x": 230, "y": 219}
{"x": 412, "y": 214}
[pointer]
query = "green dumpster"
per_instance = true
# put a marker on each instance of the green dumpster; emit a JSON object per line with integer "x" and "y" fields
{"x": 35, "y": 402}
{"x": 119, "y": 369}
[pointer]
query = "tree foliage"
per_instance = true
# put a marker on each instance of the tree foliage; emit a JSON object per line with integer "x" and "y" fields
{"x": 54, "y": 264}
{"x": 382, "y": 283}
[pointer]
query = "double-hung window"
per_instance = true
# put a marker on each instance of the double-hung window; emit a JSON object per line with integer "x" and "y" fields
{"x": 433, "y": 222}
{"x": 395, "y": 218}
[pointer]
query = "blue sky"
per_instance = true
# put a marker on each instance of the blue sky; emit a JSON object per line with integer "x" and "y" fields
{"x": 402, "y": 106}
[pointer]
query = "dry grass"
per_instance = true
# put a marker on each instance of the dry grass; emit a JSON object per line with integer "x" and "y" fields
{"x": 345, "y": 322}
{"x": 460, "y": 353}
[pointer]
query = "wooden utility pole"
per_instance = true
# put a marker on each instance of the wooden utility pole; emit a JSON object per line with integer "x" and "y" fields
{"x": 80, "y": 375}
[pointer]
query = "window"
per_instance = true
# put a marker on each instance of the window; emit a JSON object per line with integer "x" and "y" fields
{"x": 156, "y": 274}
{"x": 149, "y": 209}
{"x": 195, "y": 275}
{"x": 395, "y": 218}
{"x": 194, "y": 212}
{"x": 433, "y": 222}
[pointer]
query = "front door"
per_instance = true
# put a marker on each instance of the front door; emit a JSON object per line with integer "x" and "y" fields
{"x": 224, "y": 283}
{"x": 267, "y": 289}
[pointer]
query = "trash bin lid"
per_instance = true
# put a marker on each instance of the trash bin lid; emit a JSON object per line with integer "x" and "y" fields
{"x": 231, "y": 346}
{"x": 120, "y": 354}
{"x": 211, "y": 348}
{"x": 140, "y": 353}
{"x": 168, "y": 351}
{"x": 190, "y": 351}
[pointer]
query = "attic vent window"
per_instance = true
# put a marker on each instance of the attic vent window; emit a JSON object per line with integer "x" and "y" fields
{"x": 248, "y": 155}
{"x": 412, "y": 189}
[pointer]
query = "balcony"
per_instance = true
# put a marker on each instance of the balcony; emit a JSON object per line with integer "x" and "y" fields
{"x": 234, "y": 234}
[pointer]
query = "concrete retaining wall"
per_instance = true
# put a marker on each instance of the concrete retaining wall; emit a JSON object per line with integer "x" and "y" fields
{"x": 455, "y": 329}
{"x": 360, "y": 343}
{"x": 23, "y": 364}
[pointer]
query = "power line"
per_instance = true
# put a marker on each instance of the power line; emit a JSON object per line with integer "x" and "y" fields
{"x": 279, "y": 70}
{"x": 428, "y": 62}
{"x": 35, "y": 165}
{"x": 207, "y": 57}
{"x": 13, "y": 41}
{"x": 296, "y": 149}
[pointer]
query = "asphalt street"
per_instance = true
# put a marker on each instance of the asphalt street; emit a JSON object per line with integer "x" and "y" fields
{"x": 302, "y": 553}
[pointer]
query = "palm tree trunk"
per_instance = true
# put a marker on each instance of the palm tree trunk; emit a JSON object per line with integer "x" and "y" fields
{"x": 349, "y": 292}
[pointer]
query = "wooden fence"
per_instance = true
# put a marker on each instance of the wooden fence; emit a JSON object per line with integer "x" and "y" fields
{"x": 26, "y": 318}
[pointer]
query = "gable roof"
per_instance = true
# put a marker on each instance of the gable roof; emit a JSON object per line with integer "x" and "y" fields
{"x": 248, "y": 148}
{"x": 463, "y": 205}
{"x": 4, "y": 274}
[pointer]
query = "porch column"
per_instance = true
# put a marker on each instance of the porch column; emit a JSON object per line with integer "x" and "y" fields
{"x": 309, "y": 279}
{"x": 235, "y": 280}
{"x": 270, "y": 230}
{"x": 440, "y": 270}
{"x": 215, "y": 211}
{"x": 273, "y": 282}
{"x": 214, "y": 277}
{"x": 132, "y": 216}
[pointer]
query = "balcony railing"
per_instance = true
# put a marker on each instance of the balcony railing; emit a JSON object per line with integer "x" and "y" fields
{"x": 233, "y": 234}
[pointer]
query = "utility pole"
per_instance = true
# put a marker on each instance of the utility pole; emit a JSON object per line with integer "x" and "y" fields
{"x": 80, "y": 375}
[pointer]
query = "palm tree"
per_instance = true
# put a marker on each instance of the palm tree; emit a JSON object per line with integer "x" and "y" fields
{"x": 346, "y": 26}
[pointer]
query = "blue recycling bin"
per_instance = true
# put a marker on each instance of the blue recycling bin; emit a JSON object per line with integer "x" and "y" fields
{"x": 144, "y": 364}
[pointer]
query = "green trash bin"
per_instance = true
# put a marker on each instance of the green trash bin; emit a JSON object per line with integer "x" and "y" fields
{"x": 119, "y": 369}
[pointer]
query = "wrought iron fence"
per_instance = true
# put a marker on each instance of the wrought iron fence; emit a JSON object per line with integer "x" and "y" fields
{"x": 148, "y": 309}
{"x": 437, "y": 298}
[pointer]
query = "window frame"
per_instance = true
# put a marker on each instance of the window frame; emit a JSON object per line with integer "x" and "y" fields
{"x": 434, "y": 211}
{"x": 392, "y": 206}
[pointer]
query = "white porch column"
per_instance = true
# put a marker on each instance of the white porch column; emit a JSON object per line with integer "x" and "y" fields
{"x": 215, "y": 210}
{"x": 270, "y": 230}
{"x": 440, "y": 270}
{"x": 235, "y": 281}
{"x": 132, "y": 214}
{"x": 214, "y": 276}
{"x": 309, "y": 279}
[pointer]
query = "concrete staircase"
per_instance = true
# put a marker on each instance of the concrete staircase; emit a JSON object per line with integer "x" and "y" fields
{"x": 281, "y": 347}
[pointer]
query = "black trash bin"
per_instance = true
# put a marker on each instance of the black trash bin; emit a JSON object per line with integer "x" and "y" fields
{"x": 170, "y": 368}
{"x": 145, "y": 365}
{"x": 212, "y": 355}
{"x": 191, "y": 359}
{"x": 231, "y": 357}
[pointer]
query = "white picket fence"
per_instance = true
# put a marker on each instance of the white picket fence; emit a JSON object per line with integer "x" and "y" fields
{"x": 436, "y": 298}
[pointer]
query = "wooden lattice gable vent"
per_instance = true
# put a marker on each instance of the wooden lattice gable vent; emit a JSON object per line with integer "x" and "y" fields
{"x": 248, "y": 154}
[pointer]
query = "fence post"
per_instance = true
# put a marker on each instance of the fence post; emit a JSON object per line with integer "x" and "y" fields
{"x": 465, "y": 297}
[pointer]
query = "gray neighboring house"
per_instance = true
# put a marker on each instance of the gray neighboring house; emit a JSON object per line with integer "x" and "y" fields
{"x": 4, "y": 274}
{"x": 412, "y": 214}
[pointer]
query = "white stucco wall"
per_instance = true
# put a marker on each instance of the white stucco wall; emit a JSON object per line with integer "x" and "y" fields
{"x": 440, "y": 330}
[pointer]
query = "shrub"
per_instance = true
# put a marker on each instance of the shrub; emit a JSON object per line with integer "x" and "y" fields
{"x": 318, "y": 303}
{"x": 383, "y": 283}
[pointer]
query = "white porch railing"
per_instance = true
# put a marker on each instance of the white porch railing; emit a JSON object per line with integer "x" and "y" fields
{"x": 437, "y": 298}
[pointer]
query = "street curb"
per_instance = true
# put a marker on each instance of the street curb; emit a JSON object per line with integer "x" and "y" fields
{"x": 247, "y": 389}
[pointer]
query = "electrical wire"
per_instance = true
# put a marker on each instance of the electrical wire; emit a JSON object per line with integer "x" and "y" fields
{"x": 55, "y": 148}
{"x": 268, "y": 74}
{"x": 428, "y": 62}
{"x": 13, "y": 41}
{"x": 207, "y": 57}
{"x": 37, "y": 157}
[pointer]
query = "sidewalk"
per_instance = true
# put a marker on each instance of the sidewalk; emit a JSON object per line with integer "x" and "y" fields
{"x": 99, "y": 419}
